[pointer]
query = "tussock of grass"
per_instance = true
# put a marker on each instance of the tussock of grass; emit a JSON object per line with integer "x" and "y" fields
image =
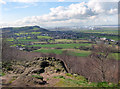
{"x": 68, "y": 74}
{"x": 37, "y": 76}
{"x": 60, "y": 77}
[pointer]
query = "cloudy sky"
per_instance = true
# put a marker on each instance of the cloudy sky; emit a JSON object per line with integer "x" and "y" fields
{"x": 52, "y": 13}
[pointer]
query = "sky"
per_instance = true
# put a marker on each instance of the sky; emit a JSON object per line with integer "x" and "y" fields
{"x": 58, "y": 13}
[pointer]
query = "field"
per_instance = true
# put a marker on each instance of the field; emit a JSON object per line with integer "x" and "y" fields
{"x": 44, "y": 37}
{"x": 103, "y": 31}
{"x": 56, "y": 51}
{"x": 72, "y": 52}
{"x": 75, "y": 43}
{"x": 60, "y": 45}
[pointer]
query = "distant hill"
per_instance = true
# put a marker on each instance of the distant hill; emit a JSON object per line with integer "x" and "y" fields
{"x": 26, "y": 29}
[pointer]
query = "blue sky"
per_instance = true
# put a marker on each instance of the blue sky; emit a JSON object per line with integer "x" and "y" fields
{"x": 59, "y": 13}
{"x": 15, "y": 10}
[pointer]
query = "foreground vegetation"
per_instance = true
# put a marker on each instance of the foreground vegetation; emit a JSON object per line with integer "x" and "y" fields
{"x": 15, "y": 72}
{"x": 79, "y": 81}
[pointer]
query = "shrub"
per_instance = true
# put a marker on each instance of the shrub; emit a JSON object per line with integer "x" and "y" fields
{"x": 105, "y": 84}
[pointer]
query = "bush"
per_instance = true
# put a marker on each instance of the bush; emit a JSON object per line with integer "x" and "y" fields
{"x": 105, "y": 84}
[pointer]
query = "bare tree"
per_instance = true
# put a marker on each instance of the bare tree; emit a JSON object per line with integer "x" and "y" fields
{"x": 101, "y": 62}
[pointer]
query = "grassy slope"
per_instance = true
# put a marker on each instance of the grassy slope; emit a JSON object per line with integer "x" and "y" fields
{"x": 79, "y": 81}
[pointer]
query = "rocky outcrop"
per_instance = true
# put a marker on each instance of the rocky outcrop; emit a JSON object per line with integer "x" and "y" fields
{"x": 30, "y": 72}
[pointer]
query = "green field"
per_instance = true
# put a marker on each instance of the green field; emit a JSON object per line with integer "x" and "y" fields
{"x": 103, "y": 31}
{"x": 36, "y": 32}
{"x": 61, "y": 45}
{"x": 55, "y": 51}
{"x": 26, "y": 40}
{"x": 18, "y": 45}
{"x": 44, "y": 37}
{"x": 81, "y": 53}
{"x": 67, "y": 40}
{"x": 24, "y": 33}
{"x": 10, "y": 39}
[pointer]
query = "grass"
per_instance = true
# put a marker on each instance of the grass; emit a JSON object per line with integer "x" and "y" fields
{"x": 114, "y": 55}
{"x": 68, "y": 74}
{"x": 27, "y": 40}
{"x": 18, "y": 34}
{"x": 68, "y": 82}
{"x": 44, "y": 37}
{"x": 63, "y": 40}
{"x": 11, "y": 80}
{"x": 2, "y": 74}
{"x": 79, "y": 81}
{"x": 24, "y": 33}
{"x": 105, "y": 84}
{"x": 55, "y": 51}
{"x": 59, "y": 77}
{"x": 28, "y": 37}
{"x": 36, "y": 32}
{"x": 81, "y": 53}
{"x": 37, "y": 76}
{"x": 67, "y": 40}
{"x": 35, "y": 29}
{"x": 102, "y": 31}
{"x": 61, "y": 45}
{"x": 18, "y": 45}
{"x": 10, "y": 39}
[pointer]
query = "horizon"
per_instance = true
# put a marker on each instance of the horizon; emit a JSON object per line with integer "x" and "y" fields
{"x": 86, "y": 26}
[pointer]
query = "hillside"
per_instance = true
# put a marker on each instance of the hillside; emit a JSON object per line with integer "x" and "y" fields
{"x": 26, "y": 29}
{"x": 43, "y": 72}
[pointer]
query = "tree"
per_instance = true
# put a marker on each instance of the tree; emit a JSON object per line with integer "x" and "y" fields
{"x": 102, "y": 63}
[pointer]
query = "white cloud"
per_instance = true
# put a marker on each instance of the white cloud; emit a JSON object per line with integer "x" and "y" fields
{"x": 91, "y": 13}
{"x": 104, "y": 0}
{"x": 61, "y": 0}
{"x": 2, "y": 2}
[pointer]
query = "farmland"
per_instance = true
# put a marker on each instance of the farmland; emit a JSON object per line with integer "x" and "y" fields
{"x": 79, "y": 44}
{"x": 103, "y": 30}
{"x": 72, "y": 52}
{"x": 61, "y": 45}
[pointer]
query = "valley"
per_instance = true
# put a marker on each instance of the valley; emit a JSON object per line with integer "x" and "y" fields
{"x": 25, "y": 48}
